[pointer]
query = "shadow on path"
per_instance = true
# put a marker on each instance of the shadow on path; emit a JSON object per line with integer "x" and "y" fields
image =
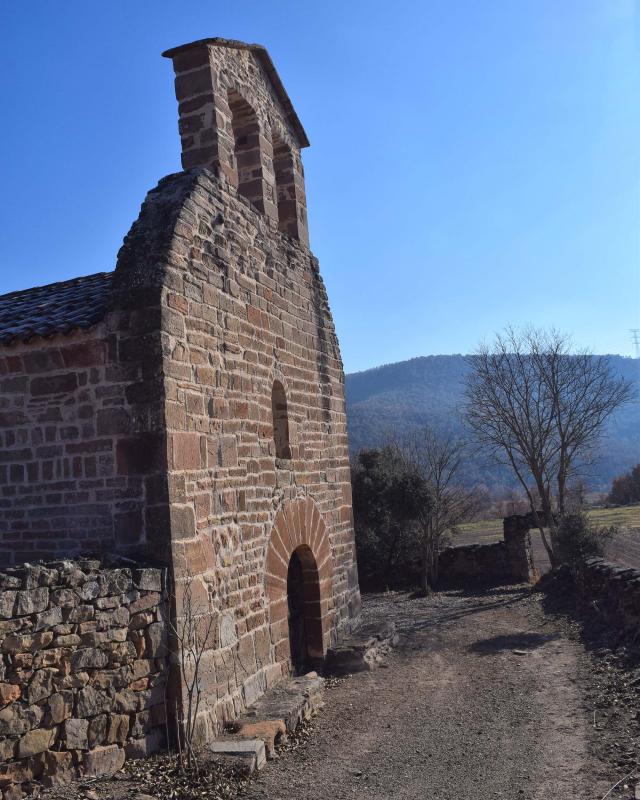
{"x": 518, "y": 641}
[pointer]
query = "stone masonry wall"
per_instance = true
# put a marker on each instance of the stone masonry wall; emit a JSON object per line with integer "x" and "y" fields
{"x": 474, "y": 562}
{"x": 81, "y": 444}
{"x": 244, "y": 305}
{"x": 508, "y": 560}
{"x": 83, "y": 667}
{"x": 615, "y": 592}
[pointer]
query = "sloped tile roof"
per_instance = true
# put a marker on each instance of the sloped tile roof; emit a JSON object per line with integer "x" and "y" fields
{"x": 56, "y": 308}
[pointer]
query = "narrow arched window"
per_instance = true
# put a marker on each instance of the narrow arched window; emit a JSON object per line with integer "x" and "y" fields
{"x": 247, "y": 158}
{"x": 283, "y": 167}
{"x": 280, "y": 421}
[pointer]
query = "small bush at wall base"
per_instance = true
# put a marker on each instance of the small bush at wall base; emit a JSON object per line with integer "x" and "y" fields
{"x": 578, "y": 540}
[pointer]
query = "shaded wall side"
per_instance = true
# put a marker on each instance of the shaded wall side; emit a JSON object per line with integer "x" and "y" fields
{"x": 66, "y": 414}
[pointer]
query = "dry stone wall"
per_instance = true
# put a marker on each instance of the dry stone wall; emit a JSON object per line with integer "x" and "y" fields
{"x": 82, "y": 672}
{"x": 616, "y": 591}
{"x": 508, "y": 560}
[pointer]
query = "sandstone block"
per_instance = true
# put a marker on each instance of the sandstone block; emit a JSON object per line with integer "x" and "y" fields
{"x": 91, "y": 702}
{"x": 7, "y": 749}
{"x": 17, "y": 719}
{"x": 97, "y": 732}
{"x": 47, "y": 619}
{"x": 145, "y": 746}
{"x": 103, "y": 760}
{"x": 148, "y": 580}
{"x": 156, "y": 640}
{"x": 17, "y": 643}
{"x": 32, "y": 601}
{"x": 75, "y": 733}
{"x": 88, "y": 658}
{"x": 8, "y": 693}
{"x": 141, "y": 620}
{"x": 89, "y": 590}
{"x": 41, "y": 685}
{"x": 118, "y": 729}
{"x": 58, "y": 768}
{"x": 36, "y": 741}
{"x": 7, "y": 604}
{"x": 60, "y": 707}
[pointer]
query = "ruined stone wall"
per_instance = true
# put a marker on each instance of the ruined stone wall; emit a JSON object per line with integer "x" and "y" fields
{"x": 83, "y": 666}
{"x": 508, "y": 560}
{"x": 244, "y": 305}
{"x": 474, "y": 562}
{"x": 615, "y": 591}
{"x": 80, "y": 443}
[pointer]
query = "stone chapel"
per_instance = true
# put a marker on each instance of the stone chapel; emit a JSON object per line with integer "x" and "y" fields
{"x": 187, "y": 408}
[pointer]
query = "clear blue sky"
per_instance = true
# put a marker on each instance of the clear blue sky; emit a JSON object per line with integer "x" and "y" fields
{"x": 472, "y": 164}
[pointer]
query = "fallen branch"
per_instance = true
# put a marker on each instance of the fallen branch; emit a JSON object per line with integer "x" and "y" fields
{"x": 617, "y": 784}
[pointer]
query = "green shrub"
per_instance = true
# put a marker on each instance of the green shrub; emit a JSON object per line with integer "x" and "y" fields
{"x": 578, "y": 539}
{"x": 388, "y": 495}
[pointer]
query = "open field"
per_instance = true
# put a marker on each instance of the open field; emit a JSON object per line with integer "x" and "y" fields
{"x": 624, "y": 550}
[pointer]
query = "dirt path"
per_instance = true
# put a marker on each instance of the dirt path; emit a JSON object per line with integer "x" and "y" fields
{"x": 481, "y": 700}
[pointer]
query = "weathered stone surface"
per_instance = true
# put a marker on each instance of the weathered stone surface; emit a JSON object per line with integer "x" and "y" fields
{"x": 59, "y": 768}
{"x": 7, "y": 749}
{"x": 361, "y": 651}
{"x": 17, "y": 719}
{"x": 118, "y": 729}
{"x": 36, "y": 741}
{"x": 88, "y": 658}
{"x": 8, "y": 693}
{"x": 41, "y": 685}
{"x": 103, "y": 760}
{"x": 97, "y": 732}
{"x": 75, "y": 732}
{"x": 247, "y": 754}
{"x": 60, "y": 707}
{"x": 32, "y": 601}
{"x": 156, "y": 640}
{"x": 92, "y": 701}
{"x": 146, "y": 745}
{"x": 7, "y": 604}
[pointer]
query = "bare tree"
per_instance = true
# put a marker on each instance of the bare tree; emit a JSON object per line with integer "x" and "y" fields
{"x": 191, "y": 633}
{"x": 541, "y": 409}
{"x": 437, "y": 459}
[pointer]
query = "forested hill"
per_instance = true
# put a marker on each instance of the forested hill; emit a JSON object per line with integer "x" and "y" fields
{"x": 396, "y": 398}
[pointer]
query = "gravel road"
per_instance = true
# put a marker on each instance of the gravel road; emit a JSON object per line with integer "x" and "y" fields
{"x": 482, "y": 700}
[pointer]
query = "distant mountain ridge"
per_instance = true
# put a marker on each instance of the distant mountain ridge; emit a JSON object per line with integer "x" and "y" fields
{"x": 396, "y": 398}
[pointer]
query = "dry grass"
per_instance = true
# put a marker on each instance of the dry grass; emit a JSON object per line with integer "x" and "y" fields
{"x": 624, "y": 550}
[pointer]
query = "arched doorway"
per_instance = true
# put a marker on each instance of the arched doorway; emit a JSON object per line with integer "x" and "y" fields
{"x": 304, "y": 610}
{"x": 298, "y": 585}
{"x": 296, "y": 616}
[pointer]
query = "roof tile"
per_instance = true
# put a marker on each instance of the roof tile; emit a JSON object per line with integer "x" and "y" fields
{"x": 56, "y": 308}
